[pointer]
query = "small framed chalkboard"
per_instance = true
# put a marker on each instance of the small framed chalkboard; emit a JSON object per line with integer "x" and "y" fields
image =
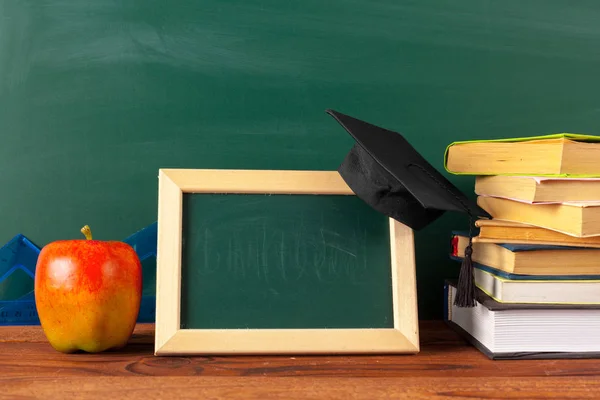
{"x": 279, "y": 262}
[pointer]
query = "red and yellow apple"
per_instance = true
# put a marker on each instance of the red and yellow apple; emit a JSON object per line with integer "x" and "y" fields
{"x": 88, "y": 293}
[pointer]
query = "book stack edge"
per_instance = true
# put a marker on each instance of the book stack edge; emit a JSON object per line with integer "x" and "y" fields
{"x": 537, "y": 260}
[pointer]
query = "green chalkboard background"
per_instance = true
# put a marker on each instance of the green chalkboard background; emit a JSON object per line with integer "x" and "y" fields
{"x": 96, "y": 95}
{"x": 280, "y": 261}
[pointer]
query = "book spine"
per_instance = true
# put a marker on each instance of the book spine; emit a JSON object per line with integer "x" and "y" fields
{"x": 447, "y": 311}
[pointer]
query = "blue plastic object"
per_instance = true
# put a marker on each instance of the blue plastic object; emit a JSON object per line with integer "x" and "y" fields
{"x": 17, "y": 271}
{"x": 144, "y": 244}
{"x": 18, "y": 259}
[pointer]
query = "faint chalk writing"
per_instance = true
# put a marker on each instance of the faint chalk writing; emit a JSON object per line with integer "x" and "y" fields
{"x": 270, "y": 253}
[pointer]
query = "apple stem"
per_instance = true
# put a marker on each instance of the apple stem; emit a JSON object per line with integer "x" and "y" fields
{"x": 87, "y": 232}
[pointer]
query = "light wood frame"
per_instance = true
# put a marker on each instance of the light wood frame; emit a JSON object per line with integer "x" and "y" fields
{"x": 171, "y": 340}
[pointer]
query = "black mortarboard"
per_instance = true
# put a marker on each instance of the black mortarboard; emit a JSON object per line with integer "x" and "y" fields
{"x": 388, "y": 174}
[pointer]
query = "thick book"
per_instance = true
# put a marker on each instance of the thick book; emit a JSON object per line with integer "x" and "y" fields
{"x": 574, "y": 219}
{"x": 530, "y": 259}
{"x": 537, "y": 189}
{"x": 563, "y": 154}
{"x": 525, "y": 331}
{"x": 499, "y": 231}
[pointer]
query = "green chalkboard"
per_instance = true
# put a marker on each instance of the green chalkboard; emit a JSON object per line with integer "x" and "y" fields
{"x": 97, "y": 95}
{"x": 284, "y": 261}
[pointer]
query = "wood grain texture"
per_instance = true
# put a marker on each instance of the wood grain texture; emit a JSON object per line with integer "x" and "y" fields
{"x": 24, "y": 353}
{"x": 286, "y": 341}
{"x": 168, "y": 260}
{"x": 406, "y": 313}
{"x": 258, "y": 181}
{"x": 446, "y": 367}
{"x": 299, "y": 388}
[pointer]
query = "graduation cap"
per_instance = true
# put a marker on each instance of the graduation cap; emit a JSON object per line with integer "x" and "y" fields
{"x": 388, "y": 174}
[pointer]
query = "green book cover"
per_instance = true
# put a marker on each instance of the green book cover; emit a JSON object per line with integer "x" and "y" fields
{"x": 571, "y": 136}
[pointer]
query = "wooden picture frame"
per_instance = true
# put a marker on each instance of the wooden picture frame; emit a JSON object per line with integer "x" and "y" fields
{"x": 171, "y": 340}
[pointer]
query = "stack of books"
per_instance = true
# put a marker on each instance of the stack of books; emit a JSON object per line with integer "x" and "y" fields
{"x": 537, "y": 260}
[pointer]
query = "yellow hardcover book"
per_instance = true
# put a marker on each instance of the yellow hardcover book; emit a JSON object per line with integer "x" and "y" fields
{"x": 532, "y": 260}
{"x": 499, "y": 231}
{"x": 562, "y": 154}
{"x": 574, "y": 219}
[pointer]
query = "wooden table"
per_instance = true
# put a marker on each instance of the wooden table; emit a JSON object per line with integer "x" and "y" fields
{"x": 447, "y": 367}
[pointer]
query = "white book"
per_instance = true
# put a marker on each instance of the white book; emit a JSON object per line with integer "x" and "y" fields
{"x": 550, "y": 291}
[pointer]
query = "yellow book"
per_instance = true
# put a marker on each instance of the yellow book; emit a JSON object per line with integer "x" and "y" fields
{"x": 531, "y": 260}
{"x": 563, "y": 154}
{"x": 498, "y": 231}
{"x": 533, "y": 189}
{"x": 574, "y": 219}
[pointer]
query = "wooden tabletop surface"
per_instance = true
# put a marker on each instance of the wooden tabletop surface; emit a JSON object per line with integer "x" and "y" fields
{"x": 446, "y": 367}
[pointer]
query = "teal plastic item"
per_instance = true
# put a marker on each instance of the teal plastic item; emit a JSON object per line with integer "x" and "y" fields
{"x": 144, "y": 244}
{"x": 18, "y": 259}
{"x": 17, "y": 271}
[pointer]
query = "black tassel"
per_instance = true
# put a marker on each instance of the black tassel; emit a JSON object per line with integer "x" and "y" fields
{"x": 465, "y": 290}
